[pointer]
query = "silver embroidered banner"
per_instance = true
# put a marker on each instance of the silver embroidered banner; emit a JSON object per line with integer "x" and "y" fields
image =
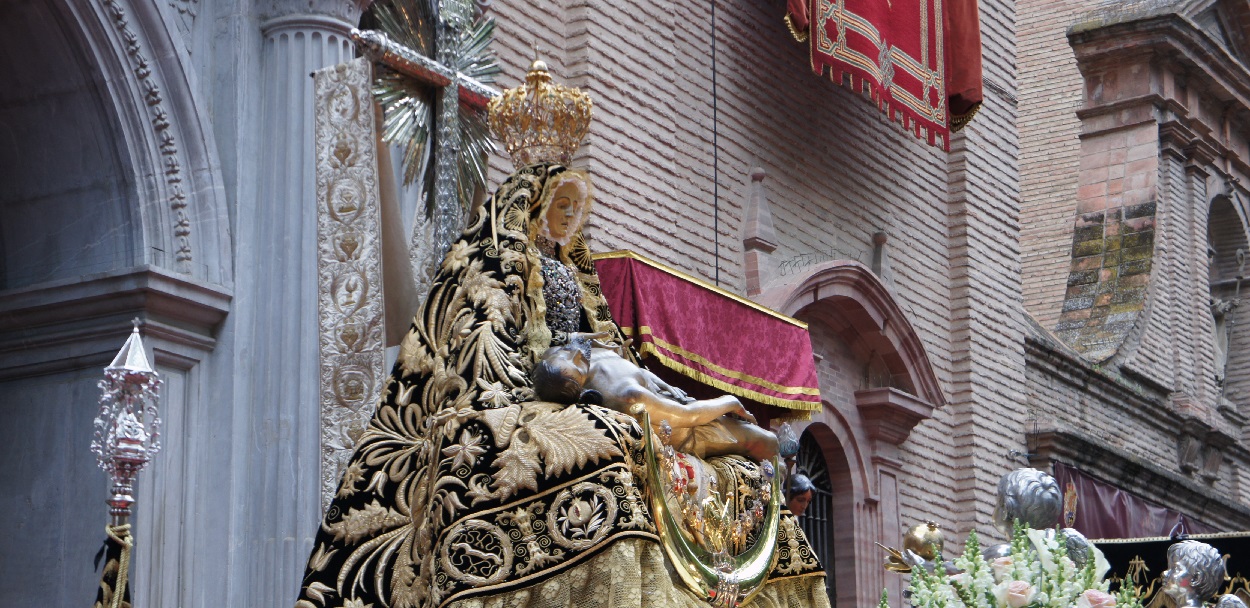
{"x": 349, "y": 263}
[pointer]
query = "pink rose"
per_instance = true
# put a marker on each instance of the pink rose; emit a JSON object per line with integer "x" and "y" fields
{"x": 1016, "y": 594}
{"x": 1093, "y": 598}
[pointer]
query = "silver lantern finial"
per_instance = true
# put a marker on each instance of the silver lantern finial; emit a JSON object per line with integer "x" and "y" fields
{"x": 127, "y": 429}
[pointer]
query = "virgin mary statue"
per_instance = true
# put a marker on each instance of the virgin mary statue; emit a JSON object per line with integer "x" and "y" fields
{"x": 466, "y": 490}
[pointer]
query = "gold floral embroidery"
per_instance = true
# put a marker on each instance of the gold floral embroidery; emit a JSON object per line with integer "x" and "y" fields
{"x": 462, "y": 484}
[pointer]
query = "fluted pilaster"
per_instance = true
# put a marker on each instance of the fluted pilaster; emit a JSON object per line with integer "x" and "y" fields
{"x": 276, "y": 430}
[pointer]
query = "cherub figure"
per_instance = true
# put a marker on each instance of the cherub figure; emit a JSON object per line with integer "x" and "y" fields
{"x": 702, "y": 428}
{"x": 1032, "y": 497}
{"x": 1195, "y": 573}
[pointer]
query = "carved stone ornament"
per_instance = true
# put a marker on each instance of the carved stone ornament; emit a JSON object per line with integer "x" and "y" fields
{"x": 349, "y": 263}
{"x": 175, "y": 192}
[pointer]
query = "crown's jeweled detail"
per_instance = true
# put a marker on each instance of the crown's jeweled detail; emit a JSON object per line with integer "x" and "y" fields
{"x": 540, "y": 121}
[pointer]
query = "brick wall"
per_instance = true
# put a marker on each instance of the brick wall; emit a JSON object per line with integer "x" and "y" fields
{"x": 1135, "y": 430}
{"x": 1050, "y": 94}
{"x": 1136, "y": 394}
{"x": 984, "y": 417}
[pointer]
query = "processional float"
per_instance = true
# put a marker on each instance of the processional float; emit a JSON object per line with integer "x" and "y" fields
{"x": 485, "y": 440}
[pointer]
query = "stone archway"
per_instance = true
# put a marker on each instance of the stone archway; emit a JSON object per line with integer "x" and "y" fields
{"x": 850, "y": 297}
{"x": 66, "y": 172}
{"x": 111, "y": 207}
{"x": 877, "y": 384}
{"x": 833, "y": 515}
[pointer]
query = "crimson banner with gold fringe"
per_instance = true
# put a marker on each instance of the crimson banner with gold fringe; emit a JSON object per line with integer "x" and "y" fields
{"x": 710, "y": 335}
{"x": 920, "y": 60}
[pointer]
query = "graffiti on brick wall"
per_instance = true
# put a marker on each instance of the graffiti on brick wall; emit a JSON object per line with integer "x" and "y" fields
{"x": 796, "y": 264}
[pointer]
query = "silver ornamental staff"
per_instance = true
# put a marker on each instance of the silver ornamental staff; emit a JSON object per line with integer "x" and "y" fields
{"x": 127, "y": 436}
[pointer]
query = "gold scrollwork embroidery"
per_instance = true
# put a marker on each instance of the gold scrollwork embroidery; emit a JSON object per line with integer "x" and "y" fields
{"x": 477, "y": 552}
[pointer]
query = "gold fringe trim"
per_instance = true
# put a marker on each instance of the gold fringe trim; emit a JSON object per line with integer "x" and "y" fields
{"x": 724, "y": 371}
{"x": 1150, "y": 539}
{"x": 961, "y": 121}
{"x": 690, "y": 372}
{"x": 799, "y": 35}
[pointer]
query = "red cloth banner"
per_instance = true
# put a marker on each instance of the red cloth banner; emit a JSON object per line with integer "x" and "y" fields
{"x": 919, "y": 59}
{"x": 709, "y": 334}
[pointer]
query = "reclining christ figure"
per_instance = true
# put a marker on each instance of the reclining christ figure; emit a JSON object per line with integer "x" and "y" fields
{"x": 703, "y": 428}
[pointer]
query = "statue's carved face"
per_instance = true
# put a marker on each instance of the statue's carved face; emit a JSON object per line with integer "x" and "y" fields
{"x": 1177, "y": 579}
{"x": 561, "y": 375}
{"x": 565, "y": 211}
{"x": 798, "y": 503}
{"x": 572, "y": 364}
{"x": 1195, "y": 571}
{"x": 560, "y": 217}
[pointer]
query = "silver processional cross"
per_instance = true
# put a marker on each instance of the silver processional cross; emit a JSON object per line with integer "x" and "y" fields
{"x": 458, "y": 41}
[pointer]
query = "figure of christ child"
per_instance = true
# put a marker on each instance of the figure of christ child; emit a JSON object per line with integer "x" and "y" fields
{"x": 702, "y": 428}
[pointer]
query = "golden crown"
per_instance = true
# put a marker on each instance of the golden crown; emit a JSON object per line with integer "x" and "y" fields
{"x": 539, "y": 121}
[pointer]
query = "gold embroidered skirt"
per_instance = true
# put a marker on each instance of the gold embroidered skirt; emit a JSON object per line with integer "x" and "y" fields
{"x": 634, "y": 573}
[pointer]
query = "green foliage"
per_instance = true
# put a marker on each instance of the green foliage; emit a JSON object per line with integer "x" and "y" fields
{"x": 1126, "y": 597}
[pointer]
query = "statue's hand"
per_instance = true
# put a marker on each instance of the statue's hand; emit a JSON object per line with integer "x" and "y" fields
{"x": 676, "y": 394}
{"x": 619, "y": 349}
{"x": 745, "y": 415}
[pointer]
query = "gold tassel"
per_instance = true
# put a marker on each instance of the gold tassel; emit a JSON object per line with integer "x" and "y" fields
{"x": 121, "y": 535}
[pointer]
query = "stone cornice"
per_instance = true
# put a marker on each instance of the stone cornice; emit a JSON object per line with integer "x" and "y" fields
{"x": 1171, "y": 38}
{"x": 1149, "y": 404}
{"x": 334, "y": 15}
{"x": 1078, "y": 372}
{"x": 1164, "y": 43}
{"x": 74, "y": 323}
{"x": 889, "y": 414}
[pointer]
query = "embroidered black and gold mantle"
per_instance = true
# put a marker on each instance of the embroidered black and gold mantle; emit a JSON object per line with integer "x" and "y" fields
{"x": 463, "y": 484}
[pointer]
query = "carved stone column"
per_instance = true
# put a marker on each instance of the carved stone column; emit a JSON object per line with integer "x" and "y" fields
{"x": 276, "y": 435}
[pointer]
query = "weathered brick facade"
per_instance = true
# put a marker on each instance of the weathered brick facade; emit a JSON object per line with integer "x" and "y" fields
{"x": 1134, "y": 160}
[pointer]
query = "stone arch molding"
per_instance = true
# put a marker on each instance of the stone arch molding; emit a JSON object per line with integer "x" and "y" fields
{"x": 873, "y": 317}
{"x": 837, "y": 439}
{"x": 167, "y": 136}
{"x": 870, "y": 430}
